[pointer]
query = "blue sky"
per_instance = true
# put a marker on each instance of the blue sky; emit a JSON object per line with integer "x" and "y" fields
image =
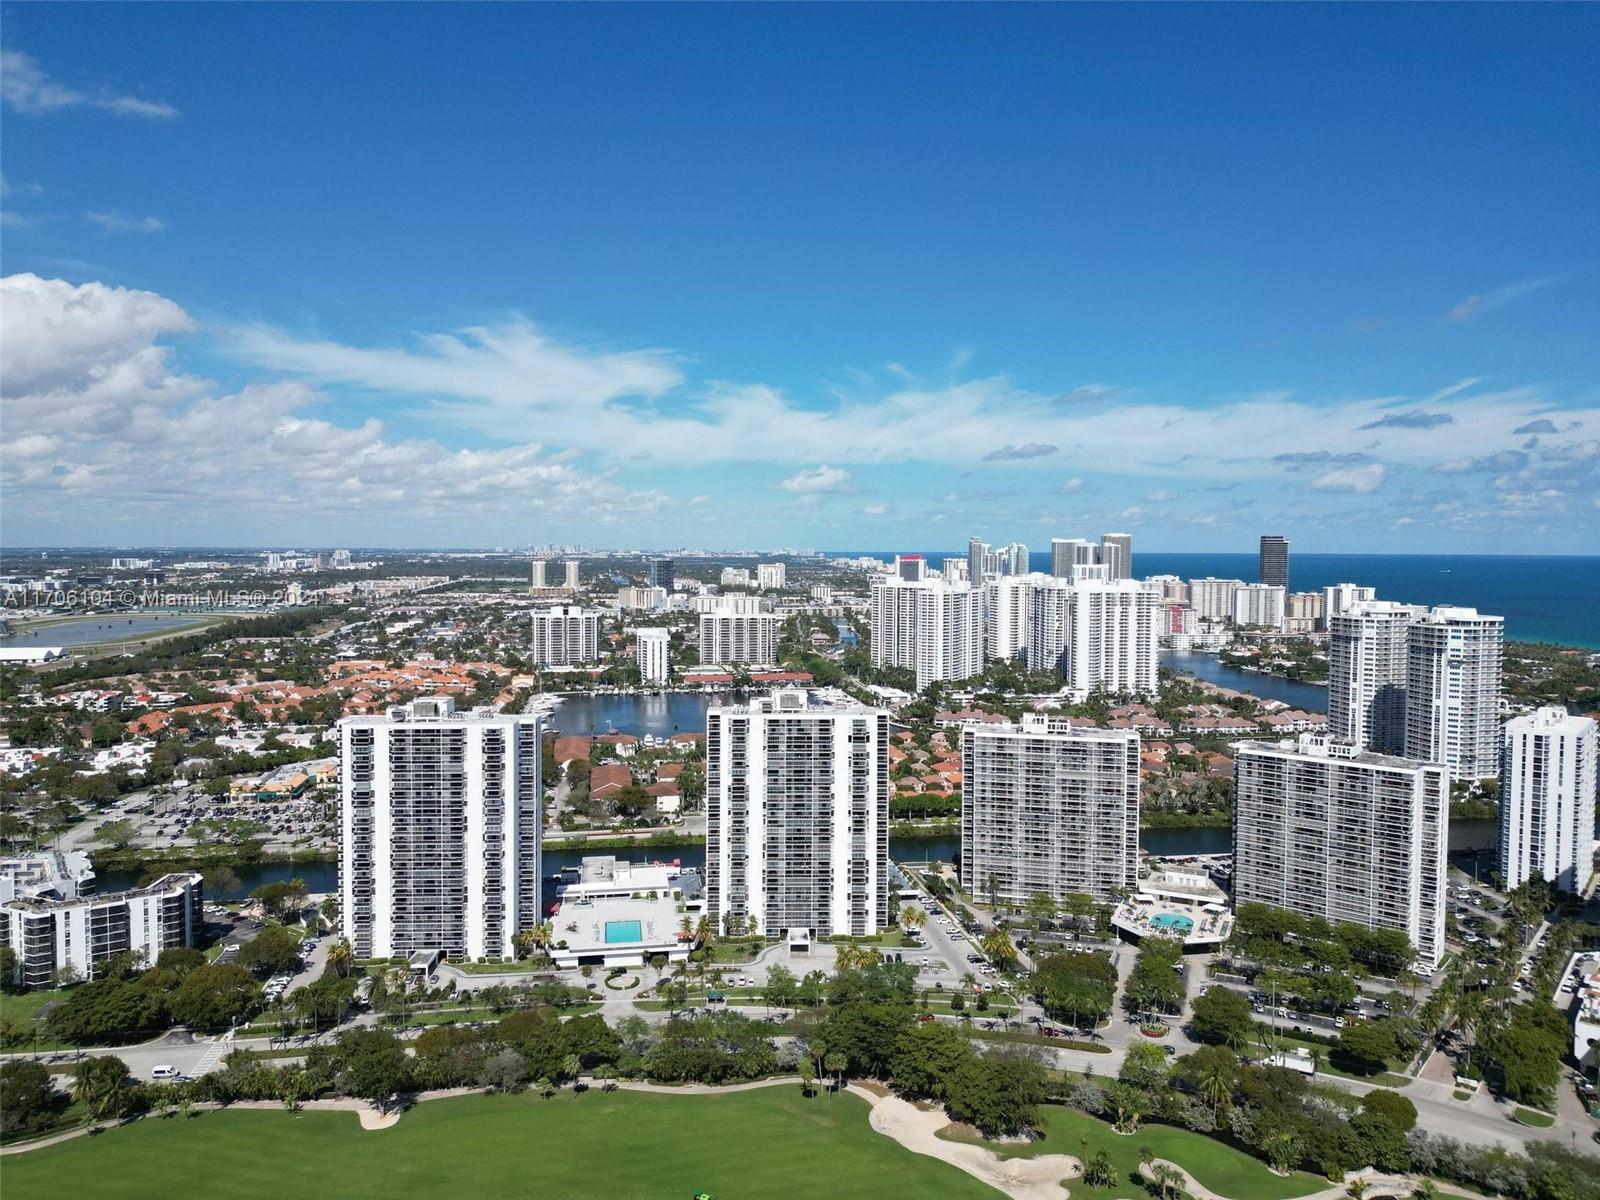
{"x": 739, "y": 276}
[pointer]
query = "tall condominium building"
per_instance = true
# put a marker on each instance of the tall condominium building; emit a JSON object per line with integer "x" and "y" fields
{"x": 1302, "y": 612}
{"x": 1116, "y": 552}
{"x": 977, "y": 551}
{"x": 1453, "y": 664}
{"x": 1212, "y": 599}
{"x": 734, "y": 602}
{"x": 1274, "y": 564}
{"x": 1066, "y": 553}
{"x": 1547, "y": 798}
{"x": 565, "y": 635}
{"x": 536, "y": 573}
{"x": 1013, "y": 560}
{"x": 797, "y": 815}
{"x": 1005, "y": 614}
{"x": 954, "y": 570}
{"x": 728, "y": 636}
{"x": 771, "y": 576}
{"x": 1048, "y": 808}
{"x": 735, "y": 576}
{"x": 1170, "y": 588}
{"x": 1049, "y": 622}
{"x": 1325, "y": 830}
{"x": 651, "y": 648}
{"x": 913, "y": 568}
{"x": 929, "y": 626}
{"x": 571, "y": 580}
{"x": 59, "y": 928}
{"x": 1340, "y": 596}
{"x": 1258, "y": 605}
{"x": 662, "y": 572}
{"x": 1367, "y": 674}
{"x": 1113, "y": 638}
{"x": 439, "y": 830}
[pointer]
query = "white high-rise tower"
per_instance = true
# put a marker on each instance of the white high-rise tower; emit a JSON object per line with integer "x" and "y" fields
{"x": 1453, "y": 666}
{"x": 1547, "y": 799}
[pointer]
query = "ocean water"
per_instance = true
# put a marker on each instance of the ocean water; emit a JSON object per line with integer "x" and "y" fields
{"x": 1543, "y": 599}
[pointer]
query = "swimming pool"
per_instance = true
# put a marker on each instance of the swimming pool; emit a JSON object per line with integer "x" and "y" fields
{"x": 624, "y": 931}
{"x": 1172, "y": 922}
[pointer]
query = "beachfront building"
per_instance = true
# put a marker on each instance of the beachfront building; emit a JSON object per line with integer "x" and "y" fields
{"x": 439, "y": 837}
{"x": 1046, "y": 807}
{"x": 1453, "y": 668}
{"x": 797, "y": 815}
{"x": 1547, "y": 799}
{"x": 59, "y": 929}
{"x": 1327, "y": 830}
{"x": 928, "y": 625}
{"x": 565, "y": 635}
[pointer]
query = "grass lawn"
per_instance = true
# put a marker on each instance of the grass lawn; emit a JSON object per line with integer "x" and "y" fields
{"x": 1217, "y": 1166}
{"x": 1460, "y": 1095}
{"x": 768, "y": 1143}
{"x": 1539, "y": 1120}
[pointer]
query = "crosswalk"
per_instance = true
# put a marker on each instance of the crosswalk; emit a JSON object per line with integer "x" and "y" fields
{"x": 213, "y": 1056}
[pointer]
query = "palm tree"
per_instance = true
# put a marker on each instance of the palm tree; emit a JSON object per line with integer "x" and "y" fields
{"x": 1282, "y": 1148}
{"x": 342, "y": 958}
{"x": 1356, "y": 1188}
{"x": 1426, "y": 1189}
{"x": 1166, "y": 1179}
{"x": 836, "y": 1063}
{"x": 998, "y": 946}
{"x": 992, "y": 883}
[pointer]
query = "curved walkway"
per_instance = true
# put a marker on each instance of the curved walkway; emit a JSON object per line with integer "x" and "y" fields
{"x": 1378, "y": 1184}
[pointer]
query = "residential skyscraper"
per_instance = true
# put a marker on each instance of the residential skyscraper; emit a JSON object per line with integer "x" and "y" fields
{"x": 913, "y": 568}
{"x": 1274, "y": 568}
{"x": 771, "y": 576}
{"x": 731, "y": 636}
{"x": 1046, "y": 807}
{"x": 1213, "y": 598}
{"x": 1005, "y": 614}
{"x": 1014, "y": 560}
{"x": 536, "y": 573}
{"x": 572, "y": 580}
{"x": 1340, "y": 596}
{"x": 1113, "y": 638}
{"x": 1066, "y": 553}
{"x": 661, "y": 573}
{"x": 1367, "y": 674}
{"x": 1049, "y": 622}
{"x": 1258, "y": 605}
{"x": 1547, "y": 799}
{"x": 1116, "y": 552}
{"x": 976, "y": 550}
{"x": 797, "y": 815}
{"x": 565, "y": 635}
{"x": 1328, "y": 831}
{"x": 929, "y": 626}
{"x": 651, "y": 648}
{"x": 1453, "y": 669}
{"x": 439, "y": 830}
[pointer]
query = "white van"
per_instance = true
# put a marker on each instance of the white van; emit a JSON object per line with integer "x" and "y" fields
{"x": 164, "y": 1072}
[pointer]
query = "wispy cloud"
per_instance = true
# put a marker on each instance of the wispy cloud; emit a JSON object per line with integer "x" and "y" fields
{"x": 26, "y": 88}
{"x": 1480, "y": 303}
{"x": 1303, "y": 458}
{"x": 121, "y": 222}
{"x": 1359, "y": 480}
{"x": 1415, "y": 419}
{"x": 1025, "y": 450}
{"x": 1071, "y": 485}
{"x": 816, "y": 480}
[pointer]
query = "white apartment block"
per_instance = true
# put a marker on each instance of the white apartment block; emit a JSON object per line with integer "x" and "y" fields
{"x": 440, "y": 830}
{"x": 537, "y": 572}
{"x": 1113, "y": 638}
{"x": 913, "y": 568}
{"x": 1258, "y": 605}
{"x": 1332, "y": 832}
{"x": 1367, "y": 674}
{"x": 822, "y": 593}
{"x": 565, "y": 635}
{"x": 735, "y": 577}
{"x": 1005, "y": 614}
{"x": 1048, "y": 808}
{"x": 1302, "y": 612}
{"x": 571, "y": 578}
{"x": 1340, "y": 597}
{"x": 642, "y": 599}
{"x": 928, "y": 626}
{"x": 771, "y": 576}
{"x": 797, "y": 815}
{"x": 1547, "y": 798}
{"x": 738, "y": 637}
{"x": 1213, "y": 598}
{"x": 1453, "y": 665}
{"x": 1049, "y": 620}
{"x": 652, "y": 650}
{"x": 58, "y": 927}
{"x": 1116, "y": 553}
{"x": 735, "y": 602}
{"x": 1066, "y": 553}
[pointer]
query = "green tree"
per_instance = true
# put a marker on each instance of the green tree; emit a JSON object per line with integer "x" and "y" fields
{"x": 1223, "y": 1016}
{"x": 28, "y": 1098}
{"x": 102, "y": 1085}
{"x": 215, "y": 996}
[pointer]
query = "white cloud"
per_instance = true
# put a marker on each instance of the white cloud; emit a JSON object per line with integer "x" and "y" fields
{"x": 121, "y": 222}
{"x": 1477, "y": 304}
{"x": 1070, "y": 485}
{"x": 99, "y": 421}
{"x": 875, "y": 510}
{"x": 1161, "y": 496}
{"x": 817, "y": 479}
{"x": 26, "y": 88}
{"x": 1359, "y": 480}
